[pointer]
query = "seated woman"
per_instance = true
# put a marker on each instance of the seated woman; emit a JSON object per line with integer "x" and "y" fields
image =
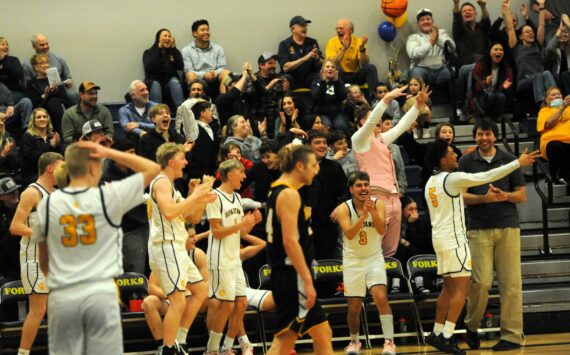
{"x": 415, "y": 85}
{"x": 554, "y": 126}
{"x": 47, "y": 95}
{"x": 492, "y": 82}
{"x": 38, "y": 139}
{"x": 290, "y": 113}
{"x": 9, "y": 156}
{"x": 328, "y": 94}
{"x": 161, "y": 63}
{"x": 527, "y": 55}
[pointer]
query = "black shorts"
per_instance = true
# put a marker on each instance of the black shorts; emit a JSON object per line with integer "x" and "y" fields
{"x": 288, "y": 291}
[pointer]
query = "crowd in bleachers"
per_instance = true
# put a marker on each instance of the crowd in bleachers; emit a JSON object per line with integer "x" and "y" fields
{"x": 317, "y": 98}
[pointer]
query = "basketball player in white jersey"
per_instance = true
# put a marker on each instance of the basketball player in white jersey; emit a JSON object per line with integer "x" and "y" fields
{"x": 156, "y": 304}
{"x": 79, "y": 236}
{"x": 23, "y": 221}
{"x": 443, "y": 192}
{"x": 363, "y": 221}
{"x": 227, "y": 280}
{"x": 167, "y": 212}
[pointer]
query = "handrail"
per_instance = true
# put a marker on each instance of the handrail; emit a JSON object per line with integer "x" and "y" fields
{"x": 546, "y": 201}
{"x": 506, "y": 120}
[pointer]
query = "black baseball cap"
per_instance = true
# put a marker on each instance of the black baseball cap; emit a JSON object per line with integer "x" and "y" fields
{"x": 8, "y": 185}
{"x": 298, "y": 20}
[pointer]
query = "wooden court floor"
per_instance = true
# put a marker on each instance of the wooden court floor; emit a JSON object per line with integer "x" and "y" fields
{"x": 543, "y": 344}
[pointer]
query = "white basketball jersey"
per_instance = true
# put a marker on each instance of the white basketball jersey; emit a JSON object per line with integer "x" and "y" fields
{"x": 368, "y": 242}
{"x": 447, "y": 214}
{"x": 160, "y": 228}
{"x": 83, "y": 232}
{"x": 29, "y": 249}
{"x": 223, "y": 254}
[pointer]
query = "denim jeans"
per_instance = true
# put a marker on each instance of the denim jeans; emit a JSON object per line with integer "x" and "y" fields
{"x": 174, "y": 87}
{"x": 539, "y": 83}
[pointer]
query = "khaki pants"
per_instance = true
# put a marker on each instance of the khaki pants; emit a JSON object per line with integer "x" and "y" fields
{"x": 501, "y": 248}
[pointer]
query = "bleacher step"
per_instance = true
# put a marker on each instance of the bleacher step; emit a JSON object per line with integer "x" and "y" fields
{"x": 531, "y": 244}
{"x": 545, "y": 268}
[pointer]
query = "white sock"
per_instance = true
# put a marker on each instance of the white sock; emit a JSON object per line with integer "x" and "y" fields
{"x": 387, "y": 322}
{"x": 437, "y": 328}
{"x": 354, "y": 337}
{"x": 23, "y": 352}
{"x": 214, "y": 341}
{"x": 243, "y": 340}
{"x": 448, "y": 329}
{"x": 181, "y": 335}
{"x": 228, "y": 342}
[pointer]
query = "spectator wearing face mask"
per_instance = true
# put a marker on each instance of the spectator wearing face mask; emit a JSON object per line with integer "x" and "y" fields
{"x": 553, "y": 123}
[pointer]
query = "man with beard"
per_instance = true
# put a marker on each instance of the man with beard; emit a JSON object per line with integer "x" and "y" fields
{"x": 494, "y": 238}
{"x": 134, "y": 115}
{"x": 263, "y": 100}
{"x": 87, "y": 109}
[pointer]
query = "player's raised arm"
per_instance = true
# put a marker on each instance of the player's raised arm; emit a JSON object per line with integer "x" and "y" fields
{"x": 148, "y": 168}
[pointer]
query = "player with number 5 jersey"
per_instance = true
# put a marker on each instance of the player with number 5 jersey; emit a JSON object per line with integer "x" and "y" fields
{"x": 443, "y": 192}
{"x": 80, "y": 241}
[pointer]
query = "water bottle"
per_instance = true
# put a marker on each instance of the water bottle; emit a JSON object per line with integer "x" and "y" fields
{"x": 489, "y": 323}
{"x": 135, "y": 303}
{"x": 403, "y": 326}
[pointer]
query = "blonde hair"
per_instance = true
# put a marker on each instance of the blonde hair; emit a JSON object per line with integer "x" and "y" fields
{"x": 155, "y": 110}
{"x": 32, "y": 130}
{"x": 166, "y": 152}
{"x": 77, "y": 160}
{"x": 36, "y": 57}
{"x": 61, "y": 175}
{"x": 228, "y": 165}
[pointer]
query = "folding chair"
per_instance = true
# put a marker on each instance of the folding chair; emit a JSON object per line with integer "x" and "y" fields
{"x": 12, "y": 299}
{"x": 265, "y": 277}
{"x": 13, "y": 292}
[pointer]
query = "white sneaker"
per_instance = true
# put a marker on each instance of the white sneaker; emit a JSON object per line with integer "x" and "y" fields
{"x": 246, "y": 349}
{"x": 353, "y": 348}
{"x": 226, "y": 351}
{"x": 389, "y": 348}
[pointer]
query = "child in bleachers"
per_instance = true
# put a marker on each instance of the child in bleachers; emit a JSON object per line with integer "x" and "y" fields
{"x": 415, "y": 85}
{"x": 339, "y": 151}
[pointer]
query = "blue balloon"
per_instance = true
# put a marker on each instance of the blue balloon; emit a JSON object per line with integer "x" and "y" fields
{"x": 387, "y": 31}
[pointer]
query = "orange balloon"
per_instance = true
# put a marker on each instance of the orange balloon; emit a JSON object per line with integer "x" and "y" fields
{"x": 394, "y": 8}
{"x": 399, "y": 21}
